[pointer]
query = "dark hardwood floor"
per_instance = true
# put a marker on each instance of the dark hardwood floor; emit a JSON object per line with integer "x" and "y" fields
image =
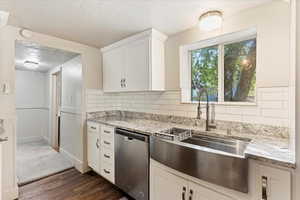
{"x": 70, "y": 185}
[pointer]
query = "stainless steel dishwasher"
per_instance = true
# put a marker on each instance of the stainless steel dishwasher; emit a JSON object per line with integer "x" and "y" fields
{"x": 132, "y": 163}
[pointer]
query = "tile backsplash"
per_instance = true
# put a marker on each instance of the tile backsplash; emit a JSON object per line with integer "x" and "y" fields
{"x": 271, "y": 107}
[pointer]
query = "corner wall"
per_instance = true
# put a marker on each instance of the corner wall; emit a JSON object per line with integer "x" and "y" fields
{"x": 31, "y": 104}
{"x": 91, "y": 73}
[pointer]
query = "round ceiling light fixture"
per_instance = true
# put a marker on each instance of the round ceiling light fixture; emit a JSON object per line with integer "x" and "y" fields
{"x": 31, "y": 65}
{"x": 211, "y": 20}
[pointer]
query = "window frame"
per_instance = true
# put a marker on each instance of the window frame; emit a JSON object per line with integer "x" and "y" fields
{"x": 220, "y": 41}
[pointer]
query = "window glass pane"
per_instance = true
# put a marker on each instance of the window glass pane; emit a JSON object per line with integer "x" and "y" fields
{"x": 204, "y": 63}
{"x": 240, "y": 71}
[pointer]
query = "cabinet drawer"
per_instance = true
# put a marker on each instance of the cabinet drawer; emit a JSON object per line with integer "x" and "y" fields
{"x": 107, "y": 131}
{"x": 107, "y": 171}
{"x": 107, "y": 142}
{"x": 93, "y": 127}
{"x": 107, "y": 155}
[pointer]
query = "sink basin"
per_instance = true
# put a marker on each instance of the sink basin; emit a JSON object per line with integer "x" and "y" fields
{"x": 227, "y": 145}
{"x": 224, "y": 165}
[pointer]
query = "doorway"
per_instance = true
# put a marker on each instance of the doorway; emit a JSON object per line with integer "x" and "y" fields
{"x": 40, "y": 91}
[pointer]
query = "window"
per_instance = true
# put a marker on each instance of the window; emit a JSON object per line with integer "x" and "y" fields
{"x": 239, "y": 71}
{"x": 205, "y": 72}
{"x": 225, "y": 66}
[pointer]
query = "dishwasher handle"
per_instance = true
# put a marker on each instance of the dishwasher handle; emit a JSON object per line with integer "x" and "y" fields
{"x": 132, "y": 135}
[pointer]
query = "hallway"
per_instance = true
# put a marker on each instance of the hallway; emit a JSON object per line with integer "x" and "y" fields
{"x": 36, "y": 160}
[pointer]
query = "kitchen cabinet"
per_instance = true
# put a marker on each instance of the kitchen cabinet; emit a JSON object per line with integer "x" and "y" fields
{"x": 166, "y": 185}
{"x": 135, "y": 63}
{"x": 93, "y": 146}
{"x": 198, "y": 192}
{"x": 272, "y": 183}
{"x": 107, "y": 153}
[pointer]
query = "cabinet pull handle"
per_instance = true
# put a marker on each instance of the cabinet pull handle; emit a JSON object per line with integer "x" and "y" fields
{"x": 108, "y": 143}
{"x": 264, "y": 188}
{"x": 191, "y": 195}
{"x": 106, "y": 131}
{"x": 107, "y": 172}
{"x": 97, "y": 143}
{"x": 106, "y": 156}
{"x": 92, "y": 127}
{"x": 183, "y": 193}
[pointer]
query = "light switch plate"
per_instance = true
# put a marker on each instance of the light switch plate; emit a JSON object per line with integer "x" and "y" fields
{"x": 3, "y": 18}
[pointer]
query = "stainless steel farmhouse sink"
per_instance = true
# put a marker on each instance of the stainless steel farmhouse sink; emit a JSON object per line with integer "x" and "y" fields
{"x": 231, "y": 146}
{"x": 214, "y": 159}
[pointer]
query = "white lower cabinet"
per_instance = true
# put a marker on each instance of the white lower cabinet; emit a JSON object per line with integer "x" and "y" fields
{"x": 272, "y": 183}
{"x": 165, "y": 185}
{"x": 265, "y": 183}
{"x": 93, "y": 146}
{"x": 197, "y": 192}
{"x": 100, "y": 150}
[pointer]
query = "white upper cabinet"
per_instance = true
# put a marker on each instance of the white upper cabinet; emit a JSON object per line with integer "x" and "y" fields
{"x": 113, "y": 61}
{"x": 135, "y": 63}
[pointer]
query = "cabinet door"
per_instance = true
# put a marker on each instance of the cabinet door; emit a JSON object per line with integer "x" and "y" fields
{"x": 113, "y": 69}
{"x": 93, "y": 150}
{"x": 272, "y": 183}
{"x": 198, "y": 192}
{"x": 165, "y": 185}
{"x": 137, "y": 65}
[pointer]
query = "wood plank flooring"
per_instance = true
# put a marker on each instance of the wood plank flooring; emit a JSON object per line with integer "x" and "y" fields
{"x": 70, "y": 185}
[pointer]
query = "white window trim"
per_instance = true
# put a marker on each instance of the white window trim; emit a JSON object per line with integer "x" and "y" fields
{"x": 185, "y": 64}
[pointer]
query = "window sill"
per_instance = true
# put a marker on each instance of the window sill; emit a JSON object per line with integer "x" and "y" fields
{"x": 223, "y": 103}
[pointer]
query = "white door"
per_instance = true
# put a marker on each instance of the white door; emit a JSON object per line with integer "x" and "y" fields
{"x": 113, "y": 69}
{"x": 137, "y": 66}
{"x": 198, "y": 192}
{"x": 165, "y": 186}
{"x": 93, "y": 146}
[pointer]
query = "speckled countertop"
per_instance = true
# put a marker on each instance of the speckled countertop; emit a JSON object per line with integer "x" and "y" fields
{"x": 273, "y": 151}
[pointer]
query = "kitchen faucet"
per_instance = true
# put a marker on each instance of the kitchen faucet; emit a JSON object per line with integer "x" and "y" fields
{"x": 208, "y": 126}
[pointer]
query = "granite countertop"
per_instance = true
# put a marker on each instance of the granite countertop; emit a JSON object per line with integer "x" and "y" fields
{"x": 273, "y": 151}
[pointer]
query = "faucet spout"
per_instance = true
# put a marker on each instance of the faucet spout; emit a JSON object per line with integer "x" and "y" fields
{"x": 207, "y": 124}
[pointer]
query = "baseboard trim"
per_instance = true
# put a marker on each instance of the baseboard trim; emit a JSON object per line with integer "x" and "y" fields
{"x": 11, "y": 193}
{"x": 78, "y": 164}
{"x": 30, "y": 139}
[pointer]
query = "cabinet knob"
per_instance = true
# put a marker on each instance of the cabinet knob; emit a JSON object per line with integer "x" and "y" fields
{"x": 191, "y": 194}
{"x": 97, "y": 143}
{"x": 183, "y": 193}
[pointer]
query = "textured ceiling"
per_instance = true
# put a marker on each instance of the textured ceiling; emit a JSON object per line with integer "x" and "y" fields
{"x": 46, "y": 57}
{"x": 101, "y": 22}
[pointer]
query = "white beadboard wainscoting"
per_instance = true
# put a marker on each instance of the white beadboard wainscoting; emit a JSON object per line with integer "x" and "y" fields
{"x": 32, "y": 106}
{"x": 271, "y": 106}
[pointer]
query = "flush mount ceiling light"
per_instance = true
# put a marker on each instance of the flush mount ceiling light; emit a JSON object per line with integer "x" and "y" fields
{"x": 211, "y": 20}
{"x": 31, "y": 64}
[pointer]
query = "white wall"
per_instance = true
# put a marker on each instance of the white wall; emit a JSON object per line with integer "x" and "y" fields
{"x": 273, "y": 72}
{"x": 273, "y": 43}
{"x": 271, "y": 108}
{"x": 91, "y": 73}
{"x": 31, "y": 104}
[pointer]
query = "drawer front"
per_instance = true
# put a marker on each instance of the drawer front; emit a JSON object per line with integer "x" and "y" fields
{"x": 93, "y": 127}
{"x": 107, "y": 156}
{"x": 107, "y": 171}
{"x": 107, "y": 131}
{"x": 107, "y": 142}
